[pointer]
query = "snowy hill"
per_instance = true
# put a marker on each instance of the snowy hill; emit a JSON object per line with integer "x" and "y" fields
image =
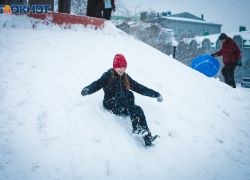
{"x": 49, "y": 131}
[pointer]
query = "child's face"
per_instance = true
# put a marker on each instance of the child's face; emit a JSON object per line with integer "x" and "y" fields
{"x": 120, "y": 70}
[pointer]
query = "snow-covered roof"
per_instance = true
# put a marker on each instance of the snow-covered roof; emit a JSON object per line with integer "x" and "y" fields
{"x": 187, "y": 14}
{"x": 212, "y": 38}
{"x": 141, "y": 24}
{"x": 245, "y": 35}
{"x": 147, "y": 25}
{"x": 190, "y": 20}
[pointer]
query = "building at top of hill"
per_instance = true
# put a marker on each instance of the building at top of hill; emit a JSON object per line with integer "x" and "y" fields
{"x": 186, "y": 25}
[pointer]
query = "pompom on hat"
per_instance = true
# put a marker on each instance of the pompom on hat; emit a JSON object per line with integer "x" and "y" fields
{"x": 119, "y": 61}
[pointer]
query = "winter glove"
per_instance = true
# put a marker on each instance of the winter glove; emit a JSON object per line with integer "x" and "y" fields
{"x": 113, "y": 9}
{"x": 211, "y": 55}
{"x": 85, "y": 91}
{"x": 239, "y": 63}
{"x": 159, "y": 98}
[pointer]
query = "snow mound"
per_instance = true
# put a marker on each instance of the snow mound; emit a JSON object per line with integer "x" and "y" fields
{"x": 49, "y": 131}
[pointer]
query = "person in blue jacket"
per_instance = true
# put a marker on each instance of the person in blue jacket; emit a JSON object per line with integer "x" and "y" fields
{"x": 120, "y": 100}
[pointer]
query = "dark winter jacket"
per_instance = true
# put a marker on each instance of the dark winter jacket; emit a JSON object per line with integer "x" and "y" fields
{"x": 94, "y": 8}
{"x": 229, "y": 51}
{"x": 117, "y": 87}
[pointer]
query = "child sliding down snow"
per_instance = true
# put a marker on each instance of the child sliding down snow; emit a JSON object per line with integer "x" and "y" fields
{"x": 119, "y": 99}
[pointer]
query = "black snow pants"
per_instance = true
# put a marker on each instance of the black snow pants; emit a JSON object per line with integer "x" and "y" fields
{"x": 125, "y": 104}
{"x": 107, "y": 13}
{"x": 228, "y": 73}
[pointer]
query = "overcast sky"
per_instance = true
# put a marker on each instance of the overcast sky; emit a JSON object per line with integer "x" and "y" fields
{"x": 230, "y": 13}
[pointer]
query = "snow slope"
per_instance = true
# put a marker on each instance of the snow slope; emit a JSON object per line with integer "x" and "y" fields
{"x": 49, "y": 131}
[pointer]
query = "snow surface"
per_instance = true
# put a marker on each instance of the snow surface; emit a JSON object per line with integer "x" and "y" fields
{"x": 49, "y": 131}
{"x": 245, "y": 35}
{"x": 187, "y": 19}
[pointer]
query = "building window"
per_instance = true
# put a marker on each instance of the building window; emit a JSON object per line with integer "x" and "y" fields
{"x": 218, "y": 47}
{"x": 241, "y": 44}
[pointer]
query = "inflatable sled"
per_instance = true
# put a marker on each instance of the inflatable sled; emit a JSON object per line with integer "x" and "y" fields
{"x": 206, "y": 65}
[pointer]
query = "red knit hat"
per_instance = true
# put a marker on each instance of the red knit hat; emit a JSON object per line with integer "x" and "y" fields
{"x": 119, "y": 61}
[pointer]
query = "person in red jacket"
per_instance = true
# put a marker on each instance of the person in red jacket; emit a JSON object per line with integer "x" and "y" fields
{"x": 231, "y": 58}
{"x": 108, "y": 7}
